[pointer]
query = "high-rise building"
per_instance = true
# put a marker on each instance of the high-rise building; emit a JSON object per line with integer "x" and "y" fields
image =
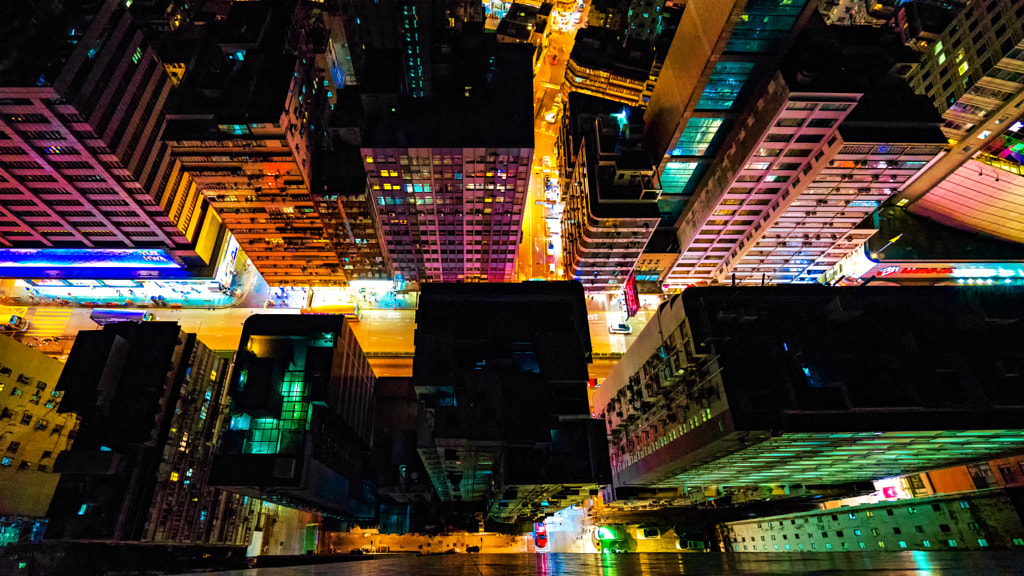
{"x": 723, "y": 54}
{"x": 611, "y": 200}
{"x": 448, "y": 173}
{"x": 152, "y": 406}
{"x": 832, "y": 137}
{"x": 34, "y": 434}
{"x": 242, "y": 136}
{"x": 301, "y": 417}
{"x": 982, "y": 521}
{"x": 972, "y": 73}
{"x": 600, "y": 65}
{"x": 82, "y": 101}
{"x": 789, "y": 386}
{"x": 505, "y": 426}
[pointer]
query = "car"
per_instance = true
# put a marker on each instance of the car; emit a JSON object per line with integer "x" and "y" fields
{"x": 15, "y": 324}
{"x": 620, "y": 329}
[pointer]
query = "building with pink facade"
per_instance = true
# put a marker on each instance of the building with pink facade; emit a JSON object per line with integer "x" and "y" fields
{"x": 829, "y": 141}
{"x": 82, "y": 102}
{"x": 448, "y": 172}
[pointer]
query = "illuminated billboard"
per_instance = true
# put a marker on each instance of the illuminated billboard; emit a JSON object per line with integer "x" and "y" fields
{"x": 631, "y": 297}
{"x": 92, "y": 263}
{"x": 86, "y": 258}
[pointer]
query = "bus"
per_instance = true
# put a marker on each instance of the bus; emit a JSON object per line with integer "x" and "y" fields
{"x": 104, "y": 317}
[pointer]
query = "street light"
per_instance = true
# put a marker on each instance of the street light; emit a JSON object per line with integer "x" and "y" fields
{"x": 890, "y": 243}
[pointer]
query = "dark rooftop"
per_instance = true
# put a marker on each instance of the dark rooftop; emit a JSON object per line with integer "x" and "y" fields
{"x": 602, "y": 49}
{"x": 924, "y": 239}
{"x": 619, "y": 169}
{"x": 862, "y": 59}
{"x": 484, "y": 99}
{"x": 244, "y": 69}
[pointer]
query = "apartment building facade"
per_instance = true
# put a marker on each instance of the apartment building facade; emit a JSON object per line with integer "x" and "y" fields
{"x": 447, "y": 174}
{"x": 80, "y": 120}
{"x": 975, "y": 521}
{"x": 611, "y": 202}
{"x": 242, "y": 138}
{"x": 974, "y": 74}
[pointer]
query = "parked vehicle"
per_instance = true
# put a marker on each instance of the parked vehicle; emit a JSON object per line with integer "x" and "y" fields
{"x": 620, "y": 328}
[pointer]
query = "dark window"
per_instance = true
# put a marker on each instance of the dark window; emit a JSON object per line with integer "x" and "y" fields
{"x": 839, "y": 533}
{"x": 944, "y": 527}
{"x": 919, "y": 529}
{"x": 13, "y": 447}
{"x": 937, "y": 507}
{"x": 896, "y": 530}
{"x": 821, "y": 123}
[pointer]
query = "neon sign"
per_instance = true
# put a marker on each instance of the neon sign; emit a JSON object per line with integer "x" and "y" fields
{"x": 632, "y": 300}
{"x": 910, "y": 271}
{"x": 85, "y": 258}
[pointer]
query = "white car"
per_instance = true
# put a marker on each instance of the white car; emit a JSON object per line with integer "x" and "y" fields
{"x": 620, "y": 329}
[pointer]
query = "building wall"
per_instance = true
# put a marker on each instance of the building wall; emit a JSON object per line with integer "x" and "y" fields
{"x": 973, "y": 75}
{"x": 973, "y": 521}
{"x": 600, "y": 250}
{"x": 185, "y": 508}
{"x": 789, "y": 206}
{"x": 981, "y": 34}
{"x": 449, "y": 214}
{"x": 721, "y": 54}
{"x": 32, "y": 433}
{"x": 81, "y": 170}
{"x": 301, "y": 417}
{"x": 258, "y": 185}
{"x": 605, "y": 84}
{"x": 695, "y": 404}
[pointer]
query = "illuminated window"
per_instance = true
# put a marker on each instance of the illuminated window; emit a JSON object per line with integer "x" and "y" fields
{"x": 724, "y": 85}
{"x": 963, "y": 68}
{"x": 676, "y": 176}
{"x": 938, "y": 47}
{"x": 174, "y": 476}
{"x": 942, "y": 59}
{"x": 697, "y": 137}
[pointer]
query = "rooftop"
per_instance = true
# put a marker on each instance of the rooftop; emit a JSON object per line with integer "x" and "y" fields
{"x": 864, "y": 60}
{"x": 483, "y": 100}
{"x": 619, "y": 170}
{"x": 244, "y": 67}
{"x": 603, "y": 49}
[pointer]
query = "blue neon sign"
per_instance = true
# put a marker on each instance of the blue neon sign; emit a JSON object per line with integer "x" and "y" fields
{"x": 86, "y": 258}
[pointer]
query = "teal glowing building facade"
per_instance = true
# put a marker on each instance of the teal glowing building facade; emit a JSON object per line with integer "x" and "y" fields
{"x": 722, "y": 56}
{"x": 301, "y": 417}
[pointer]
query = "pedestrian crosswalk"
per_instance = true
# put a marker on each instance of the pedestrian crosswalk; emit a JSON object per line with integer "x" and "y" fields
{"x": 48, "y": 322}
